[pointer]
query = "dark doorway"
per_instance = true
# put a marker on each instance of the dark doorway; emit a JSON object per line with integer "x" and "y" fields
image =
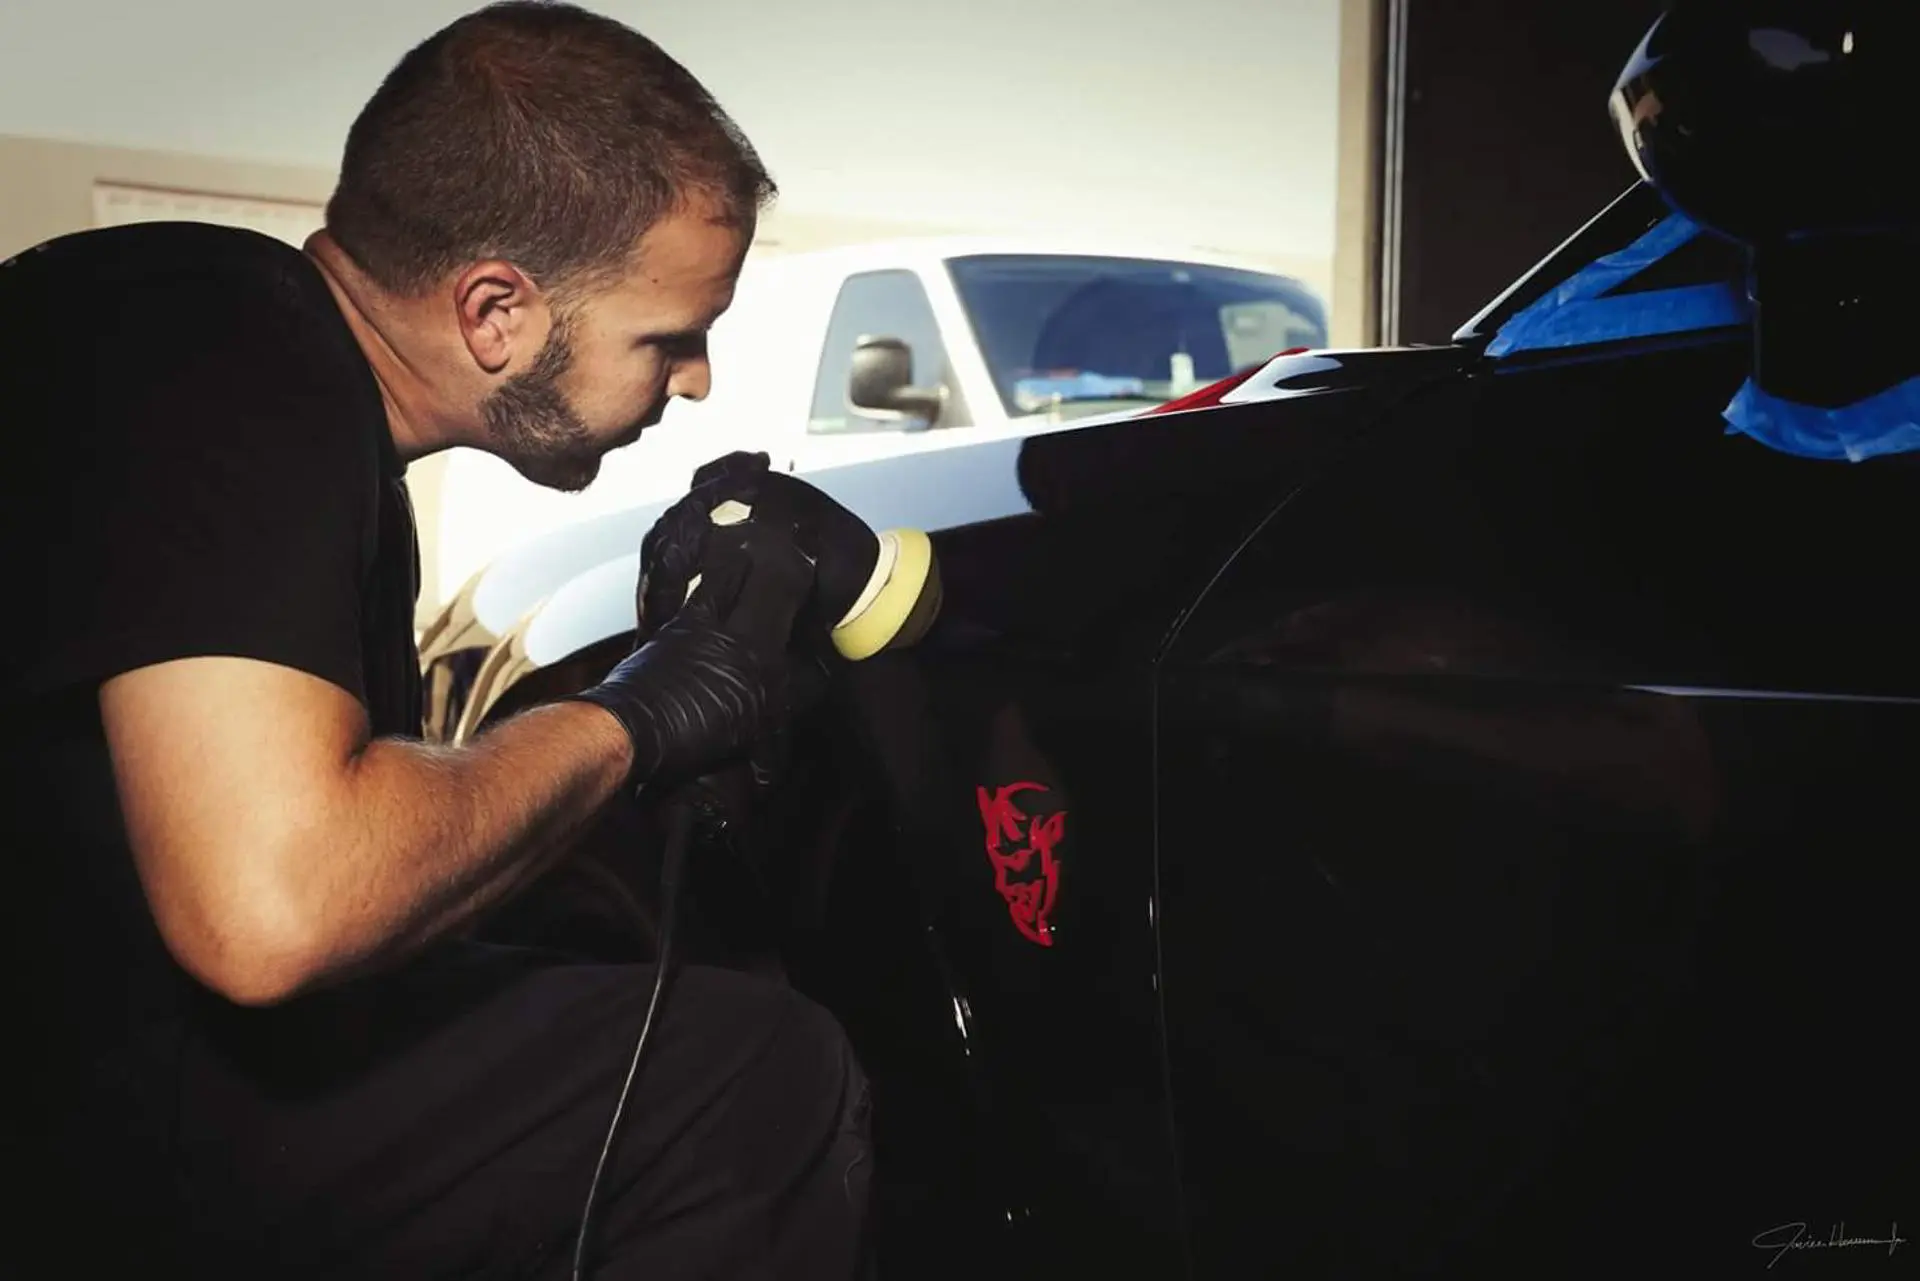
{"x": 1504, "y": 147}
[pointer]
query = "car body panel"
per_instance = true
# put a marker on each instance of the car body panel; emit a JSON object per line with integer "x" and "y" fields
{"x": 1431, "y": 814}
{"x": 1468, "y": 929}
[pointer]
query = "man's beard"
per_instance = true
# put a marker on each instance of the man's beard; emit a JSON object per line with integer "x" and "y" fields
{"x": 534, "y": 428}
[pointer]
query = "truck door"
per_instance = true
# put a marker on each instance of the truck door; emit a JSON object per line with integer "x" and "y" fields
{"x": 891, "y": 303}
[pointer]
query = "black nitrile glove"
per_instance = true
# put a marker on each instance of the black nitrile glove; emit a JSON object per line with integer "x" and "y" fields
{"x": 704, "y": 688}
{"x": 842, "y": 547}
{"x": 680, "y": 545}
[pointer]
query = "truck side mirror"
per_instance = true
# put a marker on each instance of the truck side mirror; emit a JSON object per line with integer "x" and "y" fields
{"x": 880, "y": 385}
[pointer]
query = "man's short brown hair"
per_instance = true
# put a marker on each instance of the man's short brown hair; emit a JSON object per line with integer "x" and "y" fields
{"x": 538, "y": 133}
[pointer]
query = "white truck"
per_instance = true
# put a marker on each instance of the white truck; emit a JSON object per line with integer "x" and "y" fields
{"x": 846, "y": 355}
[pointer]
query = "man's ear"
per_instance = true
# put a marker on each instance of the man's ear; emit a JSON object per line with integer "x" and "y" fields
{"x": 502, "y": 314}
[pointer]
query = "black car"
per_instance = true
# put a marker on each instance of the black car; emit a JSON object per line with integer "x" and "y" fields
{"x": 1446, "y": 811}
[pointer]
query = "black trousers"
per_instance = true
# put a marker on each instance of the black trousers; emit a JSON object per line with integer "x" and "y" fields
{"x": 443, "y": 1122}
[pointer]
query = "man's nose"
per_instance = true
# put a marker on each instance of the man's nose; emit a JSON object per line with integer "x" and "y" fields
{"x": 691, "y": 380}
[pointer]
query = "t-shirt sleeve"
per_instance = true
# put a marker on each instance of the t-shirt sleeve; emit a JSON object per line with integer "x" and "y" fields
{"x": 219, "y": 489}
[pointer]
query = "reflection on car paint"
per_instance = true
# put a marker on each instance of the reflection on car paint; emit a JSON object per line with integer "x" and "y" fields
{"x": 1770, "y": 695}
{"x": 962, "y": 1021}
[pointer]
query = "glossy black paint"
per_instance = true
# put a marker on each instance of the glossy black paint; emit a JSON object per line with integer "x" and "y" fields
{"x": 1041, "y": 671}
{"x": 1487, "y": 843}
{"x": 1529, "y": 799}
{"x": 1481, "y": 956}
{"x": 1024, "y": 1122}
{"x": 1750, "y": 118}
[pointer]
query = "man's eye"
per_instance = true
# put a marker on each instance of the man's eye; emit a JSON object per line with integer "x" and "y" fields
{"x": 684, "y": 346}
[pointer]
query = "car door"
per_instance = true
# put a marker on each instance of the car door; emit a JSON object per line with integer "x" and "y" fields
{"x": 1535, "y": 842}
{"x": 1017, "y": 743}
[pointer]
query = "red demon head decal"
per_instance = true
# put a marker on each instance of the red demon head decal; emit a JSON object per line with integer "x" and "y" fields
{"x": 1014, "y": 839}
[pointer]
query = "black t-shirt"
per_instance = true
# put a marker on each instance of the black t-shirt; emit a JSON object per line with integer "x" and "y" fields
{"x": 200, "y": 464}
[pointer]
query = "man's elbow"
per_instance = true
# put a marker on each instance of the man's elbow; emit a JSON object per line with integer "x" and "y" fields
{"x": 258, "y": 979}
{"x": 255, "y": 949}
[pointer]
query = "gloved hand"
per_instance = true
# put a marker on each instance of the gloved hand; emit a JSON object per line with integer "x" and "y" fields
{"x": 792, "y": 515}
{"x": 841, "y": 546}
{"x": 703, "y": 688}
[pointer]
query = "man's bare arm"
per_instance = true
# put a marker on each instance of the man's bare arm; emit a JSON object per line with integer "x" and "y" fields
{"x": 280, "y": 849}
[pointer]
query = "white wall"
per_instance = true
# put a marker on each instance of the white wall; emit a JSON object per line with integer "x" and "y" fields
{"x": 1211, "y": 121}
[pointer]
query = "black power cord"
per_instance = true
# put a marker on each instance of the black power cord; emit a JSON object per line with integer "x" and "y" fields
{"x": 680, "y": 816}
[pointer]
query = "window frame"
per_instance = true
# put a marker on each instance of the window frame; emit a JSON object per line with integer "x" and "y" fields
{"x": 856, "y": 424}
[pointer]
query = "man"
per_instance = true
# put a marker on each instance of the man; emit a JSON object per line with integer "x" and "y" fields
{"x": 237, "y": 877}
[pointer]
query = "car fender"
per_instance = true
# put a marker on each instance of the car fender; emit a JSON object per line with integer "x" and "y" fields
{"x": 594, "y": 605}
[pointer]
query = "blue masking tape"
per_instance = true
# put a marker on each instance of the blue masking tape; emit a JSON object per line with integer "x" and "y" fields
{"x": 1574, "y": 313}
{"x": 1886, "y": 423}
{"x": 1641, "y": 315}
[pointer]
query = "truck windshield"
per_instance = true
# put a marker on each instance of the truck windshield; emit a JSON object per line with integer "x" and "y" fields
{"x": 1097, "y": 333}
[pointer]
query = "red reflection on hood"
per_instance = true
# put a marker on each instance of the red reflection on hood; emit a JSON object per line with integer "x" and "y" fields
{"x": 1212, "y": 393}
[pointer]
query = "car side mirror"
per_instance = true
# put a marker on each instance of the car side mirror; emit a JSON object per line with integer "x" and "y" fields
{"x": 880, "y": 385}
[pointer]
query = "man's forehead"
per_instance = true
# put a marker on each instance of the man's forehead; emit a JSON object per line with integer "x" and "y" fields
{"x": 695, "y": 239}
{"x": 692, "y": 265}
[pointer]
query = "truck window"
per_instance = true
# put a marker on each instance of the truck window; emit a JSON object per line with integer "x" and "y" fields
{"x": 877, "y": 304}
{"x": 1075, "y": 335}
